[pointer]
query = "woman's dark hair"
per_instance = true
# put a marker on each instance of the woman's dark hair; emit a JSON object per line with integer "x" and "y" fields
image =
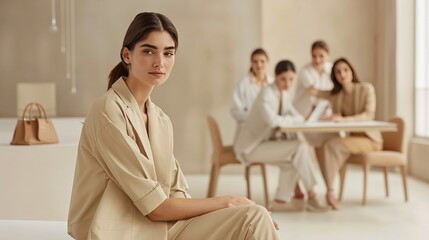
{"x": 258, "y": 51}
{"x": 139, "y": 29}
{"x": 320, "y": 44}
{"x": 337, "y": 86}
{"x": 284, "y": 66}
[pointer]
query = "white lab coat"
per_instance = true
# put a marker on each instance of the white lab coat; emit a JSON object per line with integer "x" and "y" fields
{"x": 308, "y": 76}
{"x": 264, "y": 118}
{"x": 244, "y": 94}
{"x": 253, "y": 142}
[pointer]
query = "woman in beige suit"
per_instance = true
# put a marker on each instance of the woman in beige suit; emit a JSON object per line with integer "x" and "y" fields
{"x": 128, "y": 184}
{"x": 351, "y": 101}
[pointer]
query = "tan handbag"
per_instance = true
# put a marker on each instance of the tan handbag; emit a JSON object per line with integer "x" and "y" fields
{"x": 31, "y": 129}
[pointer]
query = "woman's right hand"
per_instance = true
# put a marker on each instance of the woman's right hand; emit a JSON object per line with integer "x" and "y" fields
{"x": 233, "y": 201}
{"x": 312, "y": 90}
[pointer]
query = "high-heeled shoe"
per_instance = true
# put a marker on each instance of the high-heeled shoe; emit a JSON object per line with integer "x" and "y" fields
{"x": 331, "y": 201}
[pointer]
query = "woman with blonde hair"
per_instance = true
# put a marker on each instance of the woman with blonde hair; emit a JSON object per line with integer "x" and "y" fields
{"x": 247, "y": 88}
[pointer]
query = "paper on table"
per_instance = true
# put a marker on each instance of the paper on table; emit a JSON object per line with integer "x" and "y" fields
{"x": 318, "y": 111}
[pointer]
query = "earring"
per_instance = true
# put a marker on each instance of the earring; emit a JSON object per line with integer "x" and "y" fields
{"x": 129, "y": 67}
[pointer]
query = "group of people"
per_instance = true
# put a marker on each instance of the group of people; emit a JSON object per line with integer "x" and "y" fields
{"x": 128, "y": 183}
{"x": 263, "y": 105}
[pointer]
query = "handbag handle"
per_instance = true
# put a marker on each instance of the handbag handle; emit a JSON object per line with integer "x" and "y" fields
{"x": 28, "y": 111}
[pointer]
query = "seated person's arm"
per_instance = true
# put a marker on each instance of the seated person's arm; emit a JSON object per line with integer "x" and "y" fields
{"x": 173, "y": 209}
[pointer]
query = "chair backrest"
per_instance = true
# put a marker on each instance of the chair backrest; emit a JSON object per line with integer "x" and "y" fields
{"x": 215, "y": 134}
{"x": 394, "y": 141}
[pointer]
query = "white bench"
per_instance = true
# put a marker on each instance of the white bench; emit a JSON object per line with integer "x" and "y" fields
{"x": 36, "y": 180}
{"x": 34, "y": 230}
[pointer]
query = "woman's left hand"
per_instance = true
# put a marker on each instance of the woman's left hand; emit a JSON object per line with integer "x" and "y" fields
{"x": 337, "y": 117}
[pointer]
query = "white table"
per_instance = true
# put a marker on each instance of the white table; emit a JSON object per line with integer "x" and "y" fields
{"x": 341, "y": 126}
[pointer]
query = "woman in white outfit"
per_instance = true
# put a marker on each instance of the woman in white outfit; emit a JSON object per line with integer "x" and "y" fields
{"x": 351, "y": 100}
{"x": 247, "y": 89}
{"x": 316, "y": 74}
{"x": 259, "y": 140}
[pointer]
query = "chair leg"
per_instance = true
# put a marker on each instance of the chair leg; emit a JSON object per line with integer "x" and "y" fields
{"x": 404, "y": 181}
{"x": 264, "y": 180}
{"x": 247, "y": 176}
{"x": 365, "y": 182}
{"x": 214, "y": 176}
{"x": 343, "y": 170}
{"x": 386, "y": 180}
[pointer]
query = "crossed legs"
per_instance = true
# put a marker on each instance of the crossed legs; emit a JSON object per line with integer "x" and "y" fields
{"x": 252, "y": 222}
{"x": 293, "y": 159}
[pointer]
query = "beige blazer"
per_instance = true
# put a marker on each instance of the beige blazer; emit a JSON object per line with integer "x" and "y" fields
{"x": 264, "y": 118}
{"x": 363, "y": 109}
{"x": 122, "y": 173}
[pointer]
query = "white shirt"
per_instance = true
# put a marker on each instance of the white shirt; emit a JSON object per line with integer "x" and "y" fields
{"x": 308, "y": 76}
{"x": 264, "y": 118}
{"x": 244, "y": 94}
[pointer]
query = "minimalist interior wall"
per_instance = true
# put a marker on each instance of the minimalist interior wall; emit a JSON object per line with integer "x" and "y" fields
{"x": 386, "y": 58}
{"x": 289, "y": 28}
{"x": 215, "y": 40}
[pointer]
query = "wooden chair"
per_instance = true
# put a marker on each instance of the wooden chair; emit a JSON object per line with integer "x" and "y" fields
{"x": 392, "y": 155}
{"x": 223, "y": 155}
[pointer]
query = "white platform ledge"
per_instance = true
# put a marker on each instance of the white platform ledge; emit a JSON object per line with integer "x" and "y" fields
{"x": 36, "y": 180}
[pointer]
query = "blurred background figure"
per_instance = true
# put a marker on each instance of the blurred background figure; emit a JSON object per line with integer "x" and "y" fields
{"x": 261, "y": 141}
{"x": 351, "y": 100}
{"x": 315, "y": 74}
{"x": 247, "y": 89}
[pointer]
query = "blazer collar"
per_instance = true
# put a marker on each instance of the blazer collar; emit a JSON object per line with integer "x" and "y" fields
{"x": 355, "y": 98}
{"x": 278, "y": 92}
{"x": 134, "y": 114}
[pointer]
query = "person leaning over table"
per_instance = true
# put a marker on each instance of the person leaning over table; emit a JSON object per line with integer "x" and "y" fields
{"x": 316, "y": 74}
{"x": 351, "y": 100}
{"x": 247, "y": 88}
{"x": 127, "y": 183}
{"x": 259, "y": 141}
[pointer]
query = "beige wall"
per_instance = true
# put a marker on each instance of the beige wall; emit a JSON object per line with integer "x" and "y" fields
{"x": 216, "y": 38}
{"x": 289, "y": 28}
{"x": 386, "y": 58}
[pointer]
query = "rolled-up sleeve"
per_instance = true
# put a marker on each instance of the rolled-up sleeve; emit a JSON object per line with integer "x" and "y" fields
{"x": 129, "y": 168}
{"x": 179, "y": 186}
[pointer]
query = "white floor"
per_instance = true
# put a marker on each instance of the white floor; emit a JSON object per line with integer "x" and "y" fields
{"x": 382, "y": 218}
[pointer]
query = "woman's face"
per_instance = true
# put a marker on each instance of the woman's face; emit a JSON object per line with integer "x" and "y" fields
{"x": 343, "y": 73}
{"x": 151, "y": 59}
{"x": 259, "y": 64}
{"x": 285, "y": 79}
{"x": 319, "y": 56}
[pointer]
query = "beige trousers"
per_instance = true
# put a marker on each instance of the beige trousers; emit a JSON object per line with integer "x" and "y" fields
{"x": 293, "y": 158}
{"x": 251, "y": 222}
{"x": 336, "y": 150}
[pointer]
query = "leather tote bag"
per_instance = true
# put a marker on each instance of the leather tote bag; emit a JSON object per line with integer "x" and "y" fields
{"x": 34, "y": 129}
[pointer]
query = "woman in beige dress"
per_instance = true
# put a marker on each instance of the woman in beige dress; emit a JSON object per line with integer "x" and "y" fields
{"x": 351, "y": 100}
{"x": 128, "y": 184}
